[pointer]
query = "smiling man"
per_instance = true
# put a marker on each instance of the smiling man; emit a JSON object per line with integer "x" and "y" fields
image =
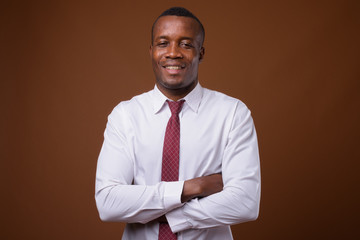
{"x": 180, "y": 161}
{"x": 176, "y": 52}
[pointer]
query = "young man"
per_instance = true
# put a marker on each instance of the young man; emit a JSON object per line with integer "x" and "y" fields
{"x": 180, "y": 161}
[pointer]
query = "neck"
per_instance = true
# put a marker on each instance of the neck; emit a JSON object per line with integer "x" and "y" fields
{"x": 176, "y": 94}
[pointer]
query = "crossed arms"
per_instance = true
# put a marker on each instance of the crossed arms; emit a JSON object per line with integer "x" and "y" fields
{"x": 198, "y": 188}
{"x": 203, "y": 202}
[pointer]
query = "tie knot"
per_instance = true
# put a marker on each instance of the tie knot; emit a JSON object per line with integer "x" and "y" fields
{"x": 175, "y": 107}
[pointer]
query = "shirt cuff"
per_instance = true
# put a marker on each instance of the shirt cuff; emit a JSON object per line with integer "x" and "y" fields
{"x": 172, "y": 194}
{"x": 177, "y": 220}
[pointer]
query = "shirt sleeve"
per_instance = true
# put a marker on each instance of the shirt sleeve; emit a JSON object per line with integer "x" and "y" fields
{"x": 116, "y": 198}
{"x": 240, "y": 198}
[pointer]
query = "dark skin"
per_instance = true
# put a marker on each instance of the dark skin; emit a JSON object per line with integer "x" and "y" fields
{"x": 176, "y": 52}
{"x": 199, "y": 187}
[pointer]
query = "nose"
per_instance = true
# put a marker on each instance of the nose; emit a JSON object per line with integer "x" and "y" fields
{"x": 173, "y": 51}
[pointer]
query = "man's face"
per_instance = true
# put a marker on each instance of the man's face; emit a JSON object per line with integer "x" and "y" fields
{"x": 176, "y": 52}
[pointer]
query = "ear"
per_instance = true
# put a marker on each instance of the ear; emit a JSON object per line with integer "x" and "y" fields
{"x": 202, "y": 53}
{"x": 150, "y": 50}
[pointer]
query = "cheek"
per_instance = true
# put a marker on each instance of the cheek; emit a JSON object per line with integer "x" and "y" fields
{"x": 156, "y": 56}
{"x": 195, "y": 62}
{"x": 193, "y": 58}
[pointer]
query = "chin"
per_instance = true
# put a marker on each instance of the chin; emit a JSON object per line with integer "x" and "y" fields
{"x": 172, "y": 84}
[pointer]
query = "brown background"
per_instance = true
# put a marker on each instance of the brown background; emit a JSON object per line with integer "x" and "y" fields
{"x": 66, "y": 64}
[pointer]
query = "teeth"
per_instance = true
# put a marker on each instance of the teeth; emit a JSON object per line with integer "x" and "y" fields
{"x": 173, "y": 67}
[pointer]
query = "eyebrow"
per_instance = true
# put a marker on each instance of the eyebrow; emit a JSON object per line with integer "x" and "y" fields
{"x": 165, "y": 37}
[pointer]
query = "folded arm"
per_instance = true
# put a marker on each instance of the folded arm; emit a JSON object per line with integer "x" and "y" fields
{"x": 209, "y": 201}
{"x": 198, "y": 188}
{"x": 118, "y": 199}
{"x": 239, "y": 200}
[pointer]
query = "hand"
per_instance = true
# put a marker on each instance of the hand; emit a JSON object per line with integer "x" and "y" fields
{"x": 202, "y": 187}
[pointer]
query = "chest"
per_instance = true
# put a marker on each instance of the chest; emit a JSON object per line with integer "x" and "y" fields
{"x": 203, "y": 139}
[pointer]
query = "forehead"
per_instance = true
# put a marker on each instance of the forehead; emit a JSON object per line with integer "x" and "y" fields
{"x": 175, "y": 25}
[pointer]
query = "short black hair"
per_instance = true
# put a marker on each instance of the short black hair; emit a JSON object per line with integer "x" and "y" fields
{"x": 180, "y": 12}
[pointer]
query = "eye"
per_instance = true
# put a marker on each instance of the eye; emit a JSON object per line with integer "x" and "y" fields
{"x": 186, "y": 45}
{"x": 162, "y": 44}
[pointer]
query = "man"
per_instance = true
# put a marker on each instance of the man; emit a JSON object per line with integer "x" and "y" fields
{"x": 191, "y": 172}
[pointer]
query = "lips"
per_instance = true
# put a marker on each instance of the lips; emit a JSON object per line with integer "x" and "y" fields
{"x": 173, "y": 68}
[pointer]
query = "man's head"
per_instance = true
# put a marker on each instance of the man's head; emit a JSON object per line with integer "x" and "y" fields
{"x": 180, "y": 12}
{"x": 176, "y": 51}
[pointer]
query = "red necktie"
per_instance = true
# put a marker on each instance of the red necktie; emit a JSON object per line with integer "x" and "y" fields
{"x": 170, "y": 159}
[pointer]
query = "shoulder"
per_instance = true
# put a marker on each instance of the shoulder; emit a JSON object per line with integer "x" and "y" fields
{"x": 139, "y": 101}
{"x": 132, "y": 107}
{"x": 228, "y": 108}
{"x": 216, "y": 99}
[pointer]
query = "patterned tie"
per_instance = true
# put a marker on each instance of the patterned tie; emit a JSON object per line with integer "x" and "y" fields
{"x": 170, "y": 160}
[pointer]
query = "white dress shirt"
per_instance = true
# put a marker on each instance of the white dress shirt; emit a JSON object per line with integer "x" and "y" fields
{"x": 217, "y": 135}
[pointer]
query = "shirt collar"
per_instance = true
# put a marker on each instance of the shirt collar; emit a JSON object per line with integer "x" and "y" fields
{"x": 193, "y": 99}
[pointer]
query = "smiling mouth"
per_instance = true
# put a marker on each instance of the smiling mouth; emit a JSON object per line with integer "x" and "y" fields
{"x": 173, "y": 67}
